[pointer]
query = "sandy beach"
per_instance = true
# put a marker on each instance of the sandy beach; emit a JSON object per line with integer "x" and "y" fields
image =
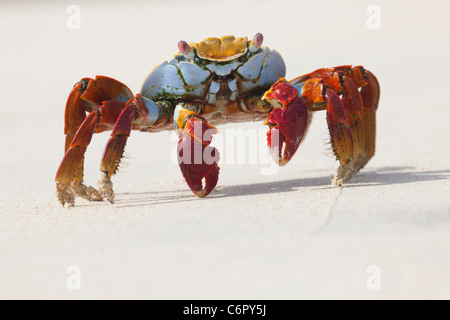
{"x": 291, "y": 235}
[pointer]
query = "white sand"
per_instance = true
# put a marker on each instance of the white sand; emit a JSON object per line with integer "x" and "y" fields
{"x": 289, "y": 235}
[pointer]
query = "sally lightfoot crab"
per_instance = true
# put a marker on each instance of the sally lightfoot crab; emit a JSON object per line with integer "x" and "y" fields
{"x": 216, "y": 81}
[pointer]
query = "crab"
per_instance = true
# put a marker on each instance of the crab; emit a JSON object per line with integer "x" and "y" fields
{"x": 212, "y": 82}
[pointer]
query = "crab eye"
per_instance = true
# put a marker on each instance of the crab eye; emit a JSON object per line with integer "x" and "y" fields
{"x": 183, "y": 47}
{"x": 258, "y": 39}
{"x": 256, "y": 42}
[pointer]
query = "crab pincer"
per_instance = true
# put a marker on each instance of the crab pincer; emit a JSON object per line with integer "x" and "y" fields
{"x": 198, "y": 161}
{"x": 288, "y": 121}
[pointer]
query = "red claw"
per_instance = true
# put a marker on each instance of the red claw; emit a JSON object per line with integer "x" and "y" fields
{"x": 197, "y": 160}
{"x": 288, "y": 121}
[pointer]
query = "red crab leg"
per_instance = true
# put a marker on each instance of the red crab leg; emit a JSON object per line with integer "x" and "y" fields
{"x": 288, "y": 121}
{"x": 135, "y": 116}
{"x": 75, "y": 111}
{"x": 116, "y": 144}
{"x": 338, "y": 122}
{"x": 197, "y": 160}
{"x": 353, "y": 105}
{"x": 370, "y": 96}
{"x": 74, "y": 116}
{"x": 75, "y": 152}
{"x": 352, "y": 131}
{"x": 114, "y": 150}
{"x": 105, "y": 115}
{"x": 85, "y": 95}
{"x": 344, "y": 121}
{"x": 105, "y": 88}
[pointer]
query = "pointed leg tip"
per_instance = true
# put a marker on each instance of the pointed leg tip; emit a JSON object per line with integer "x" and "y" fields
{"x": 348, "y": 170}
{"x": 87, "y": 192}
{"x": 96, "y": 197}
{"x": 93, "y": 194}
{"x": 65, "y": 196}
{"x": 105, "y": 187}
{"x": 336, "y": 182}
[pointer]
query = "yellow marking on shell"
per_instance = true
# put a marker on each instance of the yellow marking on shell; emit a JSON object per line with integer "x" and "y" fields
{"x": 222, "y": 49}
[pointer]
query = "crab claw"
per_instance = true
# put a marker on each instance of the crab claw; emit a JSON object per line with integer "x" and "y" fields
{"x": 287, "y": 121}
{"x": 197, "y": 160}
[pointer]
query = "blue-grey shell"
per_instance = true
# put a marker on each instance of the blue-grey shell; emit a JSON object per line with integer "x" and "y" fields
{"x": 178, "y": 78}
{"x": 262, "y": 70}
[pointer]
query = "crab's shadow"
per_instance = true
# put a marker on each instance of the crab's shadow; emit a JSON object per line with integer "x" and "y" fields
{"x": 367, "y": 178}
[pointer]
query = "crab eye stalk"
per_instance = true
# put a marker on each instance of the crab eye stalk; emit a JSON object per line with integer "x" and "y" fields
{"x": 256, "y": 42}
{"x": 258, "y": 39}
{"x": 184, "y": 47}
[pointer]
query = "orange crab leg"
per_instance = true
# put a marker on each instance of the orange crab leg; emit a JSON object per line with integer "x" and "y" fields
{"x": 339, "y": 127}
{"x": 105, "y": 115}
{"x": 76, "y": 150}
{"x": 354, "y": 107}
{"x": 370, "y": 96}
{"x": 123, "y": 124}
{"x": 71, "y": 167}
{"x": 85, "y": 95}
{"x": 345, "y": 125}
{"x": 116, "y": 144}
{"x": 332, "y": 77}
{"x": 114, "y": 150}
{"x": 74, "y": 116}
{"x": 75, "y": 111}
{"x": 104, "y": 88}
{"x": 350, "y": 118}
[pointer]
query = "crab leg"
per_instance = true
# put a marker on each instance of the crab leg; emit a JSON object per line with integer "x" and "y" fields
{"x": 140, "y": 113}
{"x": 75, "y": 111}
{"x": 114, "y": 150}
{"x": 350, "y": 119}
{"x": 84, "y": 97}
{"x": 339, "y": 78}
{"x": 73, "y": 158}
{"x": 344, "y": 119}
{"x": 74, "y": 117}
{"x": 342, "y": 141}
{"x": 197, "y": 160}
{"x": 112, "y": 107}
{"x": 353, "y": 106}
{"x": 370, "y": 96}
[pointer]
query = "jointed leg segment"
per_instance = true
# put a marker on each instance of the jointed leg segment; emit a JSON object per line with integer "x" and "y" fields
{"x": 111, "y": 106}
{"x": 114, "y": 150}
{"x": 350, "y": 113}
{"x": 67, "y": 179}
